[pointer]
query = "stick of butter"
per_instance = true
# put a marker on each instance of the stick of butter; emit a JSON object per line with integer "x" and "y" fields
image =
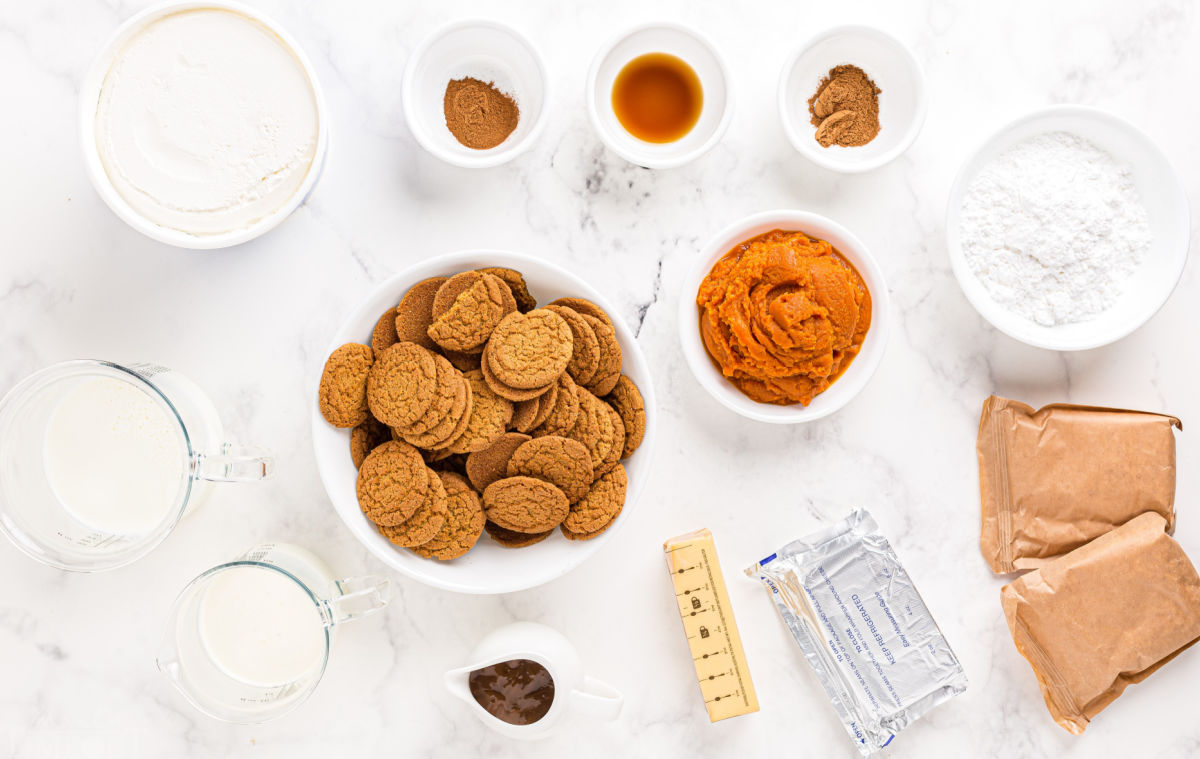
{"x": 712, "y": 634}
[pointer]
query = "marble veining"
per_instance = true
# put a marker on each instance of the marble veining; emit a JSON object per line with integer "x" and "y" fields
{"x": 251, "y": 325}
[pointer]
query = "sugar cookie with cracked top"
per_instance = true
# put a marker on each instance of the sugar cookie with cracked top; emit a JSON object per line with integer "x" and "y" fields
{"x": 585, "y": 346}
{"x": 525, "y": 504}
{"x": 392, "y": 483}
{"x": 627, "y": 400}
{"x": 527, "y": 351}
{"x": 563, "y": 462}
{"x": 402, "y": 384}
{"x": 464, "y": 521}
{"x": 384, "y": 335}
{"x": 490, "y": 464}
{"x": 366, "y": 437}
{"x": 565, "y": 410}
{"x": 342, "y": 394}
{"x": 488, "y": 418}
{"x": 468, "y": 323}
{"x": 425, "y": 522}
{"x": 603, "y": 501}
{"x": 414, "y": 314}
{"x": 516, "y": 283}
{"x": 512, "y": 538}
{"x": 504, "y": 391}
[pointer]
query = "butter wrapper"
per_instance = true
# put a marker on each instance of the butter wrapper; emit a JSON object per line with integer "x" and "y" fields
{"x": 863, "y": 627}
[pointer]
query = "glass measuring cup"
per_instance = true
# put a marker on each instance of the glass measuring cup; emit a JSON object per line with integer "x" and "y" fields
{"x": 99, "y": 462}
{"x": 248, "y": 641}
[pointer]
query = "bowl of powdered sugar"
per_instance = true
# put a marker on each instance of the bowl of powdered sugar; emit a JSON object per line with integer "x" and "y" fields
{"x": 1068, "y": 229}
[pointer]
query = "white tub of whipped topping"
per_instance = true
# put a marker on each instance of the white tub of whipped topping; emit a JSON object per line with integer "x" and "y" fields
{"x": 863, "y": 627}
{"x": 203, "y": 124}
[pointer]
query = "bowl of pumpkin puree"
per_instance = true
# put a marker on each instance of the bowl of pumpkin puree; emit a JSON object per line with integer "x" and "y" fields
{"x": 784, "y": 317}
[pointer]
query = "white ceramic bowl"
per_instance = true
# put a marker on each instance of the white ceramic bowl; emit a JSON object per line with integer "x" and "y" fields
{"x": 682, "y": 42}
{"x": 852, "y": 381}
{"x": 1160, "y": 191}
{"x": 485, "y": 50}
{"x": 487, "y": 568}
{"x": 902, "y": 100}
{"x": 89, "y": 98}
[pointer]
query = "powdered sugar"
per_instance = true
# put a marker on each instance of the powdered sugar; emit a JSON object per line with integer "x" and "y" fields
{"x": 1053, "y": 228}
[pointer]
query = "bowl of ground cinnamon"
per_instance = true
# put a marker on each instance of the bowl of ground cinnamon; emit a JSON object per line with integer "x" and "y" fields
{"x": 852, "y": 98}
{"x": 475, "y": 93}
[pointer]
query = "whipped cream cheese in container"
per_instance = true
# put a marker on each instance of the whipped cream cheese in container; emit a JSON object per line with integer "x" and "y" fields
{"x": 863, "y": 627}
{"x": 203, "y": 124}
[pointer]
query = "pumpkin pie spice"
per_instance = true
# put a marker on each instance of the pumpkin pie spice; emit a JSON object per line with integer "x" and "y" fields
{"x": 845, "y": 108}
{"x": 478, "y": 114}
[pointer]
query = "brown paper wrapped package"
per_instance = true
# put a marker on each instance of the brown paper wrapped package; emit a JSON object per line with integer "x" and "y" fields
{"x": 1051, "y": 480}
{"x": 1104, "y": 616}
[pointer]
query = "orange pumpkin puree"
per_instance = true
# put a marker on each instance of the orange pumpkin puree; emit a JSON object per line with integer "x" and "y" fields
{"x": 782, "y": 315}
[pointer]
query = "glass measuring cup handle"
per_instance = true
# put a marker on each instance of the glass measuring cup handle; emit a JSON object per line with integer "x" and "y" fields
{"x": 233, "y": 463}
{"x": 597, "y": 699}
{"x": 356, "y": 597}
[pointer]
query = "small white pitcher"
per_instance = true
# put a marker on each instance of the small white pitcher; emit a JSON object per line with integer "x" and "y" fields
{"x": 578, "y": 698}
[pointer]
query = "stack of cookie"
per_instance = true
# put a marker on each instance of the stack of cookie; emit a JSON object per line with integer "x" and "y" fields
{"x": 474, "y": 410}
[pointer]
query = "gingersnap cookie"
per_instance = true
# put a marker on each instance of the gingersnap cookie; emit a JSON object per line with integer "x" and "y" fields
{"x": 563, "y": 462}
{"x": 627, "y": 400}
{"x": 466, "y": 325}
{"x": 530, "y": 350}
{"x": 453, "y": 287}
{"x": 512, "y": 538}
{"x": 491, "y": 464}
{"x": 366, "y": 437}
{"x": 425, "y": 522}
{"x": 586, "y": 307}
{"x": 594, "y": 427}
{"x": 565, "y": 411}
{"x": 546, "y": 403}
{"x": 609, "y": 369}
{"x": 464, "y": 362}
{"x": 342, "y": 394}
{"x": 384, "y": 334}
{"x": 488, "y": 419}
{"x": 618, "y": 437}
{"x": 524, "y": 413}
{"x": 525, "y": 504}
{"x": 464, "y": 521}
{"x": 600, "y": 505}
{"x": 516, "y": 283}
{"x": 402, "y": 384}
{"x": 392, "y": 483}
{"x": 446, "y": 431}
{"x": 415, "y": 312}
{"x": 447, "y": 389}
{"x": 588, "y": 535}
{"x": 585, "y": 347}
{"x": 504, "y": 391}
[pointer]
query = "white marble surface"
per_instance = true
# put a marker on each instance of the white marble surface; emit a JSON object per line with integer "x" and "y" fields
{"x": 77, "y": 674}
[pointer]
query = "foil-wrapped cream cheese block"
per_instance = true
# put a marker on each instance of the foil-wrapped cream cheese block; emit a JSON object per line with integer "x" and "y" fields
{"x": 863, "y": 627}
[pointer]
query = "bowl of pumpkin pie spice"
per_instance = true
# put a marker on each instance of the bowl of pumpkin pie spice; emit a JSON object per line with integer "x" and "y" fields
{"x": 852, "y": 98}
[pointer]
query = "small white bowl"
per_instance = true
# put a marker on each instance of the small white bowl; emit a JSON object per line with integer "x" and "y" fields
{"x": 856, "y": 376}
{"x": 89, "y": 98}
{"x": 488, "y": 568}
{"x": 488, "y": 51}
{"x": 1160, "y": 191}
{"x": 697, "y": 52}
{"x": 902, "y": 100}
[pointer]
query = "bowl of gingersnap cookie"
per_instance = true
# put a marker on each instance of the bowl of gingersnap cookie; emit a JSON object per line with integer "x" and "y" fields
{"x": 484, "y": 422}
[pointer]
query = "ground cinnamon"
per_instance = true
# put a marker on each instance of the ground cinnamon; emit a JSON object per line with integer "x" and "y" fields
{"x": 478, "y": 114}
{"x": 845, "y": 108}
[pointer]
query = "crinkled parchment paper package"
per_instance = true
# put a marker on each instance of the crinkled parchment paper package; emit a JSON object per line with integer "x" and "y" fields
{"x": 1051, "y": 480}
{"x": 1104, "y": 616}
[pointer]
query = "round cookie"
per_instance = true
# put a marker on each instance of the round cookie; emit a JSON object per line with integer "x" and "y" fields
{"x": 342, "y": 394}
{"x": 525, "y": 504}
{"x": 597, "y": 509}
{"x": 487, "y": 420}
{"x": 464, "y": 521}
{"x": 527, "y": 351}
{"x": 415, "y": 312}
{"x": 425, "y": 522}
{"x": 450, "y": 427}
{"x": 585, "y": 346}
{"x": 516, "y": 283}
{"x": 524, "y": 412}
{"x": 466, "y": 325}
{"x": 563, "y": 462}
{"x": 384, "y": 334}
{"x": 546, "y": 403}
{"x": 366, "y": 437}
{"x": 512, "y": 538}
{"x": 504, "y": 391}
{"x": 445, "y": 397}
{"x": 449, "y": 291}
{"x": 609, "y": 370}
{"x": 392, "y": 483}
{"x": 464, "y": 362}
{"x": 565, "y": 411}
{"x": 402, "y": 384}
{"x": 491, "y": 464}
{"x": 627, "y": 400}
{"x": 594, "y": 427}
{"x": 618, "y": 441}
{"x": 588, "y": 535}
{"x": 585, "y": 307}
